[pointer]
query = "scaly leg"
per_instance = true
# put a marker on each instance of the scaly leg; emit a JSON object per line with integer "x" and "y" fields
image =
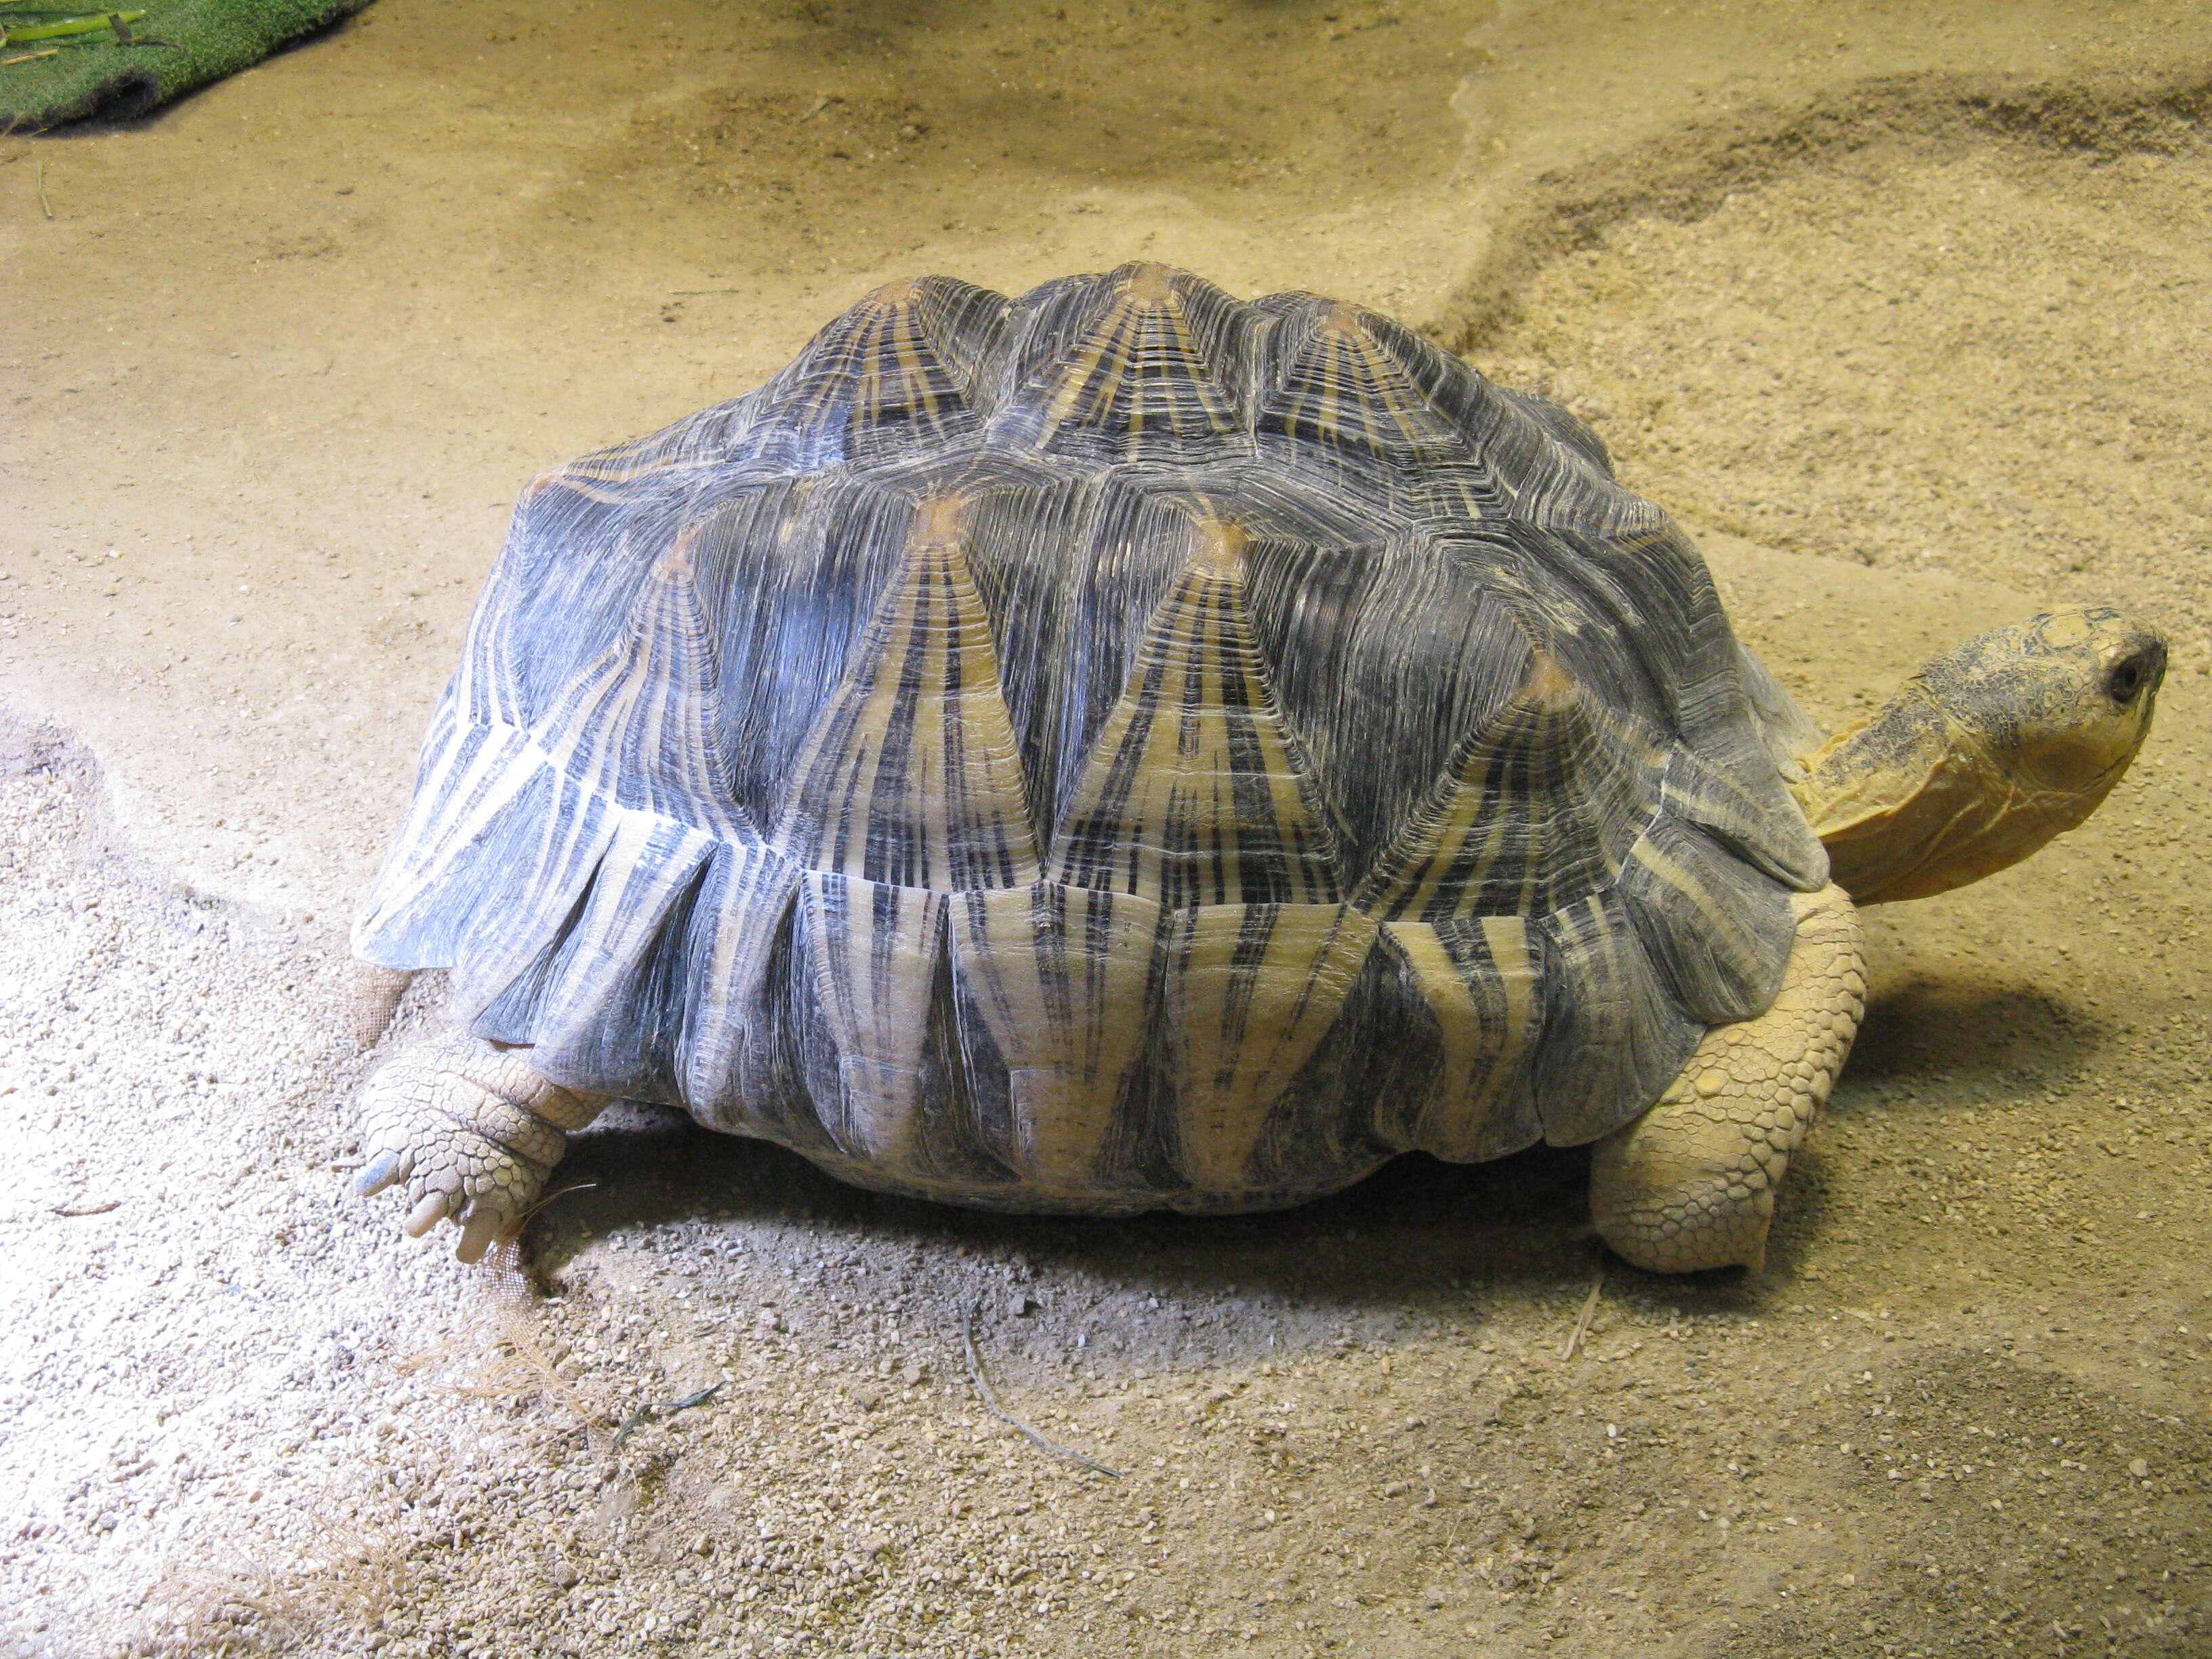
{"x": 471, "y": 1131}
{"x": 376, "y": 993}
{"x": 1691, "y": 1184}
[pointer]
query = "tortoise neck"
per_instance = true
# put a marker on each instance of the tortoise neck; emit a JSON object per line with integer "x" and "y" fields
{"x": 1912, "y": 802}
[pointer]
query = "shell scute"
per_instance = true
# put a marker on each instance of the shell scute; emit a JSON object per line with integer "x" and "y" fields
{"x": 1540, "y": 808}
{"x": 912, "y": 775}
{"x": 453, "y": 850}
{"x": 600, "y": 1009}
{"x": 1058, "y": 979}
{"x": 1705, "y": 918}
{"x": 1247, "y": 994}
{"x": 892, "y": 377}
{"x": 639, "y": 723}
{"x": 1342, "y": 378}
{"x": 544, "y": 857}
{"x": 736, "y": 947}
{"x": 1382, "y": 681}
{"x": 1197, "y": 792}
{"x": 1479, "y": 980}
{"x": 1144, "y": 365}
{"x": 1612, "y": 1030}
{"x": 876, "y": 957}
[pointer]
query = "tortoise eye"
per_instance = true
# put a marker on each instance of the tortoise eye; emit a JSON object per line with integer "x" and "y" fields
{"x": 2126, "y": 678}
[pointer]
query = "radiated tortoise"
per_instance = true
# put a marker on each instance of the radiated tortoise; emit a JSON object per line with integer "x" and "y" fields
{"x": 1123, "y": 748}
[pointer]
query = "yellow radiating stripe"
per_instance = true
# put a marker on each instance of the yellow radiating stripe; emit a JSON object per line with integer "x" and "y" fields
{"x": 1683, "y": 883}
{"x": 1482, "y": 1050}
{"x": 927, "y": 667}
{"x": 1086, "y": 366}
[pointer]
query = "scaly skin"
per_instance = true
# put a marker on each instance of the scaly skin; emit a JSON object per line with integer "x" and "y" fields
{"x": 1985, "y": 755}
{"x": 1691, "y": 1184}
{"x": 376, "y": 993}
{"x": 470, "y": 1131}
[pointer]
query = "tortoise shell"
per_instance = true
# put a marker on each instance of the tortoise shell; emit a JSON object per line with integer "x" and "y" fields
{"x": 1114, "y": 749}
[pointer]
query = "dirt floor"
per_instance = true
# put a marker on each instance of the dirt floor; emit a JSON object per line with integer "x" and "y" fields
{"x": 1903, "y": 310}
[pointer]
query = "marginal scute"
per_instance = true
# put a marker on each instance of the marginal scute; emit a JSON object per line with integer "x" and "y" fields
{"x": 912, "y": 775}
{"x": 600, "y": 1009}
{"x": 874, "y": 953}
{"x": 445, "y": 857}
{"x": 1197, "y": 792}
{"x": 1249, "y": 991}
{"x": 1707, "y": 919}
{"x": 1480, "y": 980}
{"x": 1059, "y": 977}
{"x": 546, "y": 855}
{"x": 1614, "y": 1035}
{"x": 739, "y": 918}
{"x": 1750, "y": 815}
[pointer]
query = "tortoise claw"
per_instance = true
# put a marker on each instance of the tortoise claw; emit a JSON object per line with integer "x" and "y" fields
{"x": 428, "y": 1213}
{"x": 379, "y": 1172}
{"x": 484, "y": 1223}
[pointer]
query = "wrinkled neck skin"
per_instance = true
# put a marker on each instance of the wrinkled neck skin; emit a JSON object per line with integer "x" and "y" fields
{"x": 1984, "y": 756}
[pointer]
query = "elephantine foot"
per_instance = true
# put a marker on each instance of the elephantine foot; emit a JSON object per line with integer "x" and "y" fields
{"x": 468, "y": 1132}
{"x": 1691, "y": 1184}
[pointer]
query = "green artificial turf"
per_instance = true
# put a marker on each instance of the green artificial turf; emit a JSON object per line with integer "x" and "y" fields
{"x": 177, "y": 46}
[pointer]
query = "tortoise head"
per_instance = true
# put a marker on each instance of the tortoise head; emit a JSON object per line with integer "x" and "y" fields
{"x": 1985, "y": 755}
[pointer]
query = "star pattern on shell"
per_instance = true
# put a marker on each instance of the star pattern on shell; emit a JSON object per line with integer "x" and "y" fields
{"x": 1117, "y": 747}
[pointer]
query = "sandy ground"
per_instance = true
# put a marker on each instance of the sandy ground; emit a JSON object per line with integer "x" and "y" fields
{"x": 1901, "y": 309}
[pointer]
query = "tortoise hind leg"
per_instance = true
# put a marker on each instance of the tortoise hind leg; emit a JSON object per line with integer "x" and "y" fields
{"x": 469, "y": 1133}
{"x": 376, "y": 993}
{"x": 1691, "y": 1184}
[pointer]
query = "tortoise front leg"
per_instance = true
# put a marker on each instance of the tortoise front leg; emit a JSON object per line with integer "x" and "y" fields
{"x": 471, "y": 1131}
{"x": 1691, "y": 1184}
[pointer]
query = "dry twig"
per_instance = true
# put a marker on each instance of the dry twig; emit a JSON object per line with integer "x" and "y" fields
{"x": 660, "y": 1408}
{"x": 1590, "y": 1312}
{"x": 984, "y": 1388}
{"x": 530, "y": 1214}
